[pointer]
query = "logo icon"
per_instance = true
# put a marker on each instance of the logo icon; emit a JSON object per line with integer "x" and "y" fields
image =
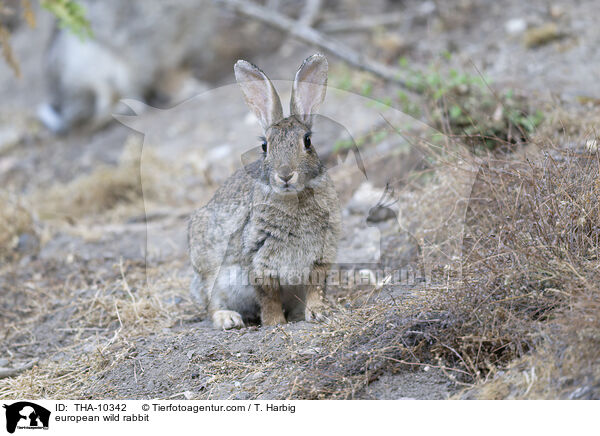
{"x": 26, "y": 415}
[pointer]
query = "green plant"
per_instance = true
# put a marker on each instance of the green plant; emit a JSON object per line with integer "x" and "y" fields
{"x": 407, "y": 105}
{"x": 372, "y": 137}
{"x": 70, "y": 15}
{"x": 465, "y": 106}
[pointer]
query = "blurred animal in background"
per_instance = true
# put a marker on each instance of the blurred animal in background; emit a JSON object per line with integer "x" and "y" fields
{"x": 137, "y": 49}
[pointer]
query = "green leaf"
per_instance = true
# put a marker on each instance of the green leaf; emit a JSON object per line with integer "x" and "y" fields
{"x": 70, "y": 15}
{"x": 455, "y": 111}
{"x": 367, "y": 89}
{"x": 379, "y": 136}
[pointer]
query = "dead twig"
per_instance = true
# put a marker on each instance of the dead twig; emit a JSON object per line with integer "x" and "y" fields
{"x": 310, "y": 13}
{"x": 313, "y": 36}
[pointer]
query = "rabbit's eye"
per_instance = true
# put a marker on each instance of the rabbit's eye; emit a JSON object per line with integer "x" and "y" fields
{"x": 307, "y": 142}
{"x": 264, "y": 145}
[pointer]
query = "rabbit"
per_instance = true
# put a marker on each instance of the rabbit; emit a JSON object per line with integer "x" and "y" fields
{"x": 275, "y": 219}
{"x": 137, "y": 46}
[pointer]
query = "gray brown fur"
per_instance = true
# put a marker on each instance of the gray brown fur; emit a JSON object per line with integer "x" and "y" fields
{"x": 258, "y": 222}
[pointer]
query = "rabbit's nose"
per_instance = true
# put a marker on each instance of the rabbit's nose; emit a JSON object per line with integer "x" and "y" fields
{"x": 285, "y": 174}
{"x": 285, "y": 178}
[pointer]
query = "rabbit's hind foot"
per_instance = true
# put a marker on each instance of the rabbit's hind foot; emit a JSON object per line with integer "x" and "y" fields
{"x": 227, "y": 319}
{"x": 271, "y": 310}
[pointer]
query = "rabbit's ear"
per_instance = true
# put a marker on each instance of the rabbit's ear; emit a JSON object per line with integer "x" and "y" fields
{"x": 259, "y": 93}
{"x": 309, "y": 88}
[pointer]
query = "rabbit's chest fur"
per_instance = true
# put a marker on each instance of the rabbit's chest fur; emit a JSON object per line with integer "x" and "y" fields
{"x": 289, "y": 236}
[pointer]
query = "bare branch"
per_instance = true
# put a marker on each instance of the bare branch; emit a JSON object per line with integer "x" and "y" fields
{"x": 310, "y": 13}
{"x": 312, "y": 36}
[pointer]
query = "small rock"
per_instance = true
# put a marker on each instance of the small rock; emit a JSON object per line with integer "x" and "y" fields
{"x": 190, "y": 354}
{"x": 515, "y": 26}
{"x": 257, "y": 375}
{"x": 237, "y": 384}
{"x": 3, "y": 363}
{"x": 463, "y": 89}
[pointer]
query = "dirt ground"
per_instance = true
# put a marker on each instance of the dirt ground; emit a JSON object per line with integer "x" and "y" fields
{"x": 97, "y": 295}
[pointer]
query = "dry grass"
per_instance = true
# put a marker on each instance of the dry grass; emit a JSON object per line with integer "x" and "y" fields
{"x": 15, "y": 220}
{"x": 529, "y": 294}
{"x": 124, "y": 302}
{"x": 571, "y": 126}
{"x": 564, "y": 365}
{"x": 331, "y": 361}
{"x": 531, "y": 283}
{"x": 337, "y": 360}
{"x": 522, "y": 321}
{"x": 133, "y": 180}
{"x": 56, "y": 380}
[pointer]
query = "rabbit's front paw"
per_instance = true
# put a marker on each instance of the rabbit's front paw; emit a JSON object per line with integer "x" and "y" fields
{"x": 227, "y": 319}
{"x": 318, "y": 312}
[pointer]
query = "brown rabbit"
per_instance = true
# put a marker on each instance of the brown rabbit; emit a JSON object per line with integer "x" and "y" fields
{"x": 263, "y": 244}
